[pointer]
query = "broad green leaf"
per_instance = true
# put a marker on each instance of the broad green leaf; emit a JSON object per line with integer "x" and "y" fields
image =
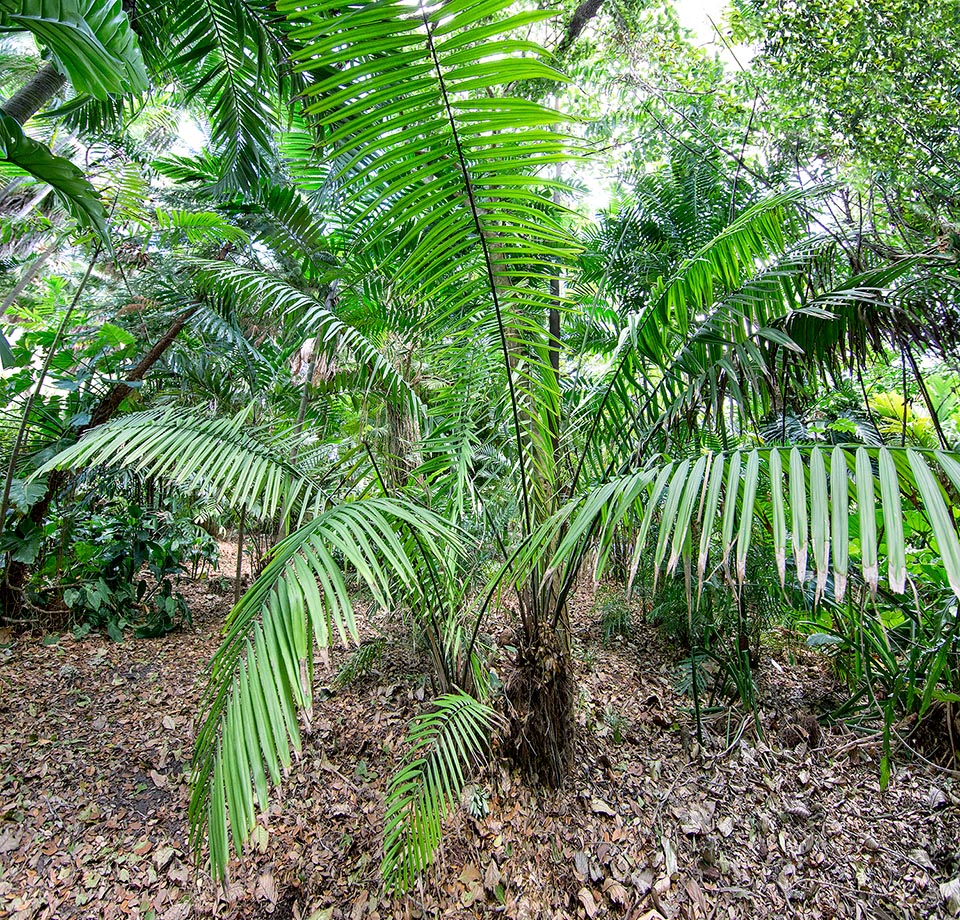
{"x": 798, "y": 510}
{"x": 868, "y": 519}
{"x": 893, "y": 522}
{"x": 944, "y": 527}
{"x": 819, "y": 519}
{"x": 91, "y": 40}
{"x": 747, "y": 513}
{"x": 779, "y": 518}
{"x": 840, "y": 518}
{"x": 709, "y": 513}
{"x": 76, "y": 193}
{"x": 730, "y": 497}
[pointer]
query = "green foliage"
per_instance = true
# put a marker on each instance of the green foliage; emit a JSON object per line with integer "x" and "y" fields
{"x": 120, "y": 569}
{"x": 719, "y": 497}
{"x": 876, "y": 78}
{"x": 91, "y": 40}
{"x": 262, "y": 674}
{"x": 361, "y": 661}
{"x": 219, "y": 456}
{"x": 77, "y": 194}
{"x": 444, "y": 745}
{"x": 896, "y": 659}
{"x": 657, "y": 396}
{"x": 231, "y": 57}
{"x": 616, "y": 613}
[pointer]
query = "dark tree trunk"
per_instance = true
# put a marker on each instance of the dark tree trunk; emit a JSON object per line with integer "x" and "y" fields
{"x": 540, "y": 695}
{"x": 578, "y": 22}
{"x": 35, "y": 94}
{"x": 111, "y": 402}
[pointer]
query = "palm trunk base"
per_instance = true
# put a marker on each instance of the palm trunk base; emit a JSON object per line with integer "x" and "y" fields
{"x": 540, "y": 695}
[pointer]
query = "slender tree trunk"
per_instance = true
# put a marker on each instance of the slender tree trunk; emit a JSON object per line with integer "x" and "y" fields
{"x": 34, "y": 94}
{"x": 28, "y": 275}
{"x": 111, "y": 402}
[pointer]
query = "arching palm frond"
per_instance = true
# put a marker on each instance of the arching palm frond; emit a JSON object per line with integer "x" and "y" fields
{"x": 265, "y": 293}
{"x": 262, "y": 674}
{"x": 820, "y": 506}
{"x": 444, "y": 745}
{"x": 293, "y": 228}
{"x": 92, "y": 41}
{"x": 677, "y": 307}
{"x": 198, "y": 227}
{"x": 216, "y": 456}
{"x": 229, "y": 54}
{"x": 440, "y": 165}
{"x": 66, "y": 179}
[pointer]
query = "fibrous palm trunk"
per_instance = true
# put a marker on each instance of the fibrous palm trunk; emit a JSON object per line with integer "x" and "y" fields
{"x": 540, "y": 692}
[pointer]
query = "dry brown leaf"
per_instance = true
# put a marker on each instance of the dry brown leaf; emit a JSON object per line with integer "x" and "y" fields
{"x": 950, "y": 893}
{"x": 696, "y": 895}
{"x": 616, "y": 892}
{"x": 581, "y": 865}
{"x": 587, "y": 900}
{"x": 162, "y": 856}
{"x": 669, "y": 856}
{"x": 267, "y": 886}
{"x": 599, "y": 807}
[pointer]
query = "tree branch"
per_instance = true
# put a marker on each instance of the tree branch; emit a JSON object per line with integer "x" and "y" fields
{"x": 581, "y": 18}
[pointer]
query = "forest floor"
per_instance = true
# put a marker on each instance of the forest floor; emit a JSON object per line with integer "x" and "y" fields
{"x": 95, "y": 739}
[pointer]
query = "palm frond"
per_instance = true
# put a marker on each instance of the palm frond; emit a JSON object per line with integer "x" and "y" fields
{"x": 438, "y": 163}
{"x": 198, "y": 227}
{"x": 215, "y": 456}
{"x": 261, "y": 676}
{"x": 92, "y": 41}
{"x": 263, "y": 292}
{"x": 226, "y": 53}
{"x": 66, "y": 179}
{"x": 445, "y": 744}
{"x": 830, "y": 511}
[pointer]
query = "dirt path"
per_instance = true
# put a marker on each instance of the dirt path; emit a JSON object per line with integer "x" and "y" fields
{"x": 96, "y": 737}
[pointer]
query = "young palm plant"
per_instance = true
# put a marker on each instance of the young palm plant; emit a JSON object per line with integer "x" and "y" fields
{"x": 444, "y": 215}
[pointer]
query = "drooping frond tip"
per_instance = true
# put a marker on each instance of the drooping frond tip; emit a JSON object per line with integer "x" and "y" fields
{"x": 261, "y": 677}
{"x": 820, "y": 507}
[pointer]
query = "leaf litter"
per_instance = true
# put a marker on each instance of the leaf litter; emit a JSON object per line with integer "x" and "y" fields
{"x": 94, "y": 763}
